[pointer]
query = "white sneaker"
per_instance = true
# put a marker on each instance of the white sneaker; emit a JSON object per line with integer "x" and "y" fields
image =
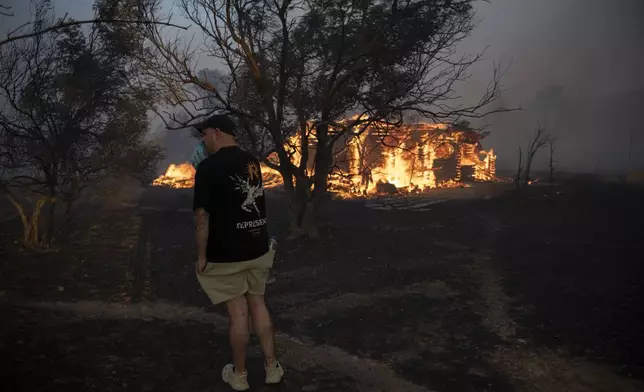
{"x": 238, "y": 382}
{"x": 274, "y": 373}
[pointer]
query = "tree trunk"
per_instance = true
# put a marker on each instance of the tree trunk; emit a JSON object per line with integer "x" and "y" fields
{"x": 65, "y": 227}
{"x": 518, "y": 180}
{"x": 304, "y": 194}
{"x": 50, "y": 224}
{"x": 308, "y": 223}
{"x": 528, "y": 168}
{"x": 302, "y": 211}
{"x": 302, "y": 199}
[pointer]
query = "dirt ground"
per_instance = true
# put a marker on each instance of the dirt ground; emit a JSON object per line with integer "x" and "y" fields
{"x": 483, "y": 292}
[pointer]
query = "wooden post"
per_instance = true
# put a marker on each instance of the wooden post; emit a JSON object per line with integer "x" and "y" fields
{"x": 459, "y": 158}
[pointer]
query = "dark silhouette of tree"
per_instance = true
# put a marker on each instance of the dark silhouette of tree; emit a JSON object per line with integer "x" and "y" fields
{"x": 299, "y": 68}
{"x": 71, "y": 118}
{"x": 540, "y": 139}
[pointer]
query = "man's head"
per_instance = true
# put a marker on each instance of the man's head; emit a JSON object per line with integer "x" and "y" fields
{"x": 216, "y": 132}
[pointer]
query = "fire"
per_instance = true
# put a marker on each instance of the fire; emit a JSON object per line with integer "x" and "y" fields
{"x": 412, "y": 159}
{"x": 382, "y": 159}
{"x": 486, "y": 170}
{"x": 271, "y": 177}
{"x": 182, "y": 175}
{"x": 177, "y": 176}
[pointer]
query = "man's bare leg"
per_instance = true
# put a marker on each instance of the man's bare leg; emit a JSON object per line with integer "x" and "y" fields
{"x": 251, "y": 328}
{"x": 238, "y": 331}
{"x": 263, "y": 327}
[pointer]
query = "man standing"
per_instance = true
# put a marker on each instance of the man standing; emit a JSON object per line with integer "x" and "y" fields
{"x": 234, "y": 254}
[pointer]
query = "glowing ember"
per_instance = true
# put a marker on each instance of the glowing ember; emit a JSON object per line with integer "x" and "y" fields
{"x": 177, "y": 176}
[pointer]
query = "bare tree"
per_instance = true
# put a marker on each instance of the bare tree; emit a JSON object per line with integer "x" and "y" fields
{"x": 518, "y": 179}
{"x": 297, "y": 69}
{"x": 539, "y": 140}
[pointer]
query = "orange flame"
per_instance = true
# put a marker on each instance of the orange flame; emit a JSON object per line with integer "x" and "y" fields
{"x": 177, "y": 176}
{"x": 181, "y": 176}
{"x": 414, "y": 159}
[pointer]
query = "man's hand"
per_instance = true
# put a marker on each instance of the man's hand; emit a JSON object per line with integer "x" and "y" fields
{"x": 202, "y": 237}
{"x": 201, "y": 265}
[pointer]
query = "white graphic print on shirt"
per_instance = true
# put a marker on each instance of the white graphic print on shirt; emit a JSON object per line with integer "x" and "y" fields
{"x": 251, "y": 192}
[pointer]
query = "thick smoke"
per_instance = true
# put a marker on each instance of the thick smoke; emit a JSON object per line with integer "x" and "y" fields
{"x": 576, "y": 67}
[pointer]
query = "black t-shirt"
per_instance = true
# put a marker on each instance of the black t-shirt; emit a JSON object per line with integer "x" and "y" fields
{"x": 228, "y": 186}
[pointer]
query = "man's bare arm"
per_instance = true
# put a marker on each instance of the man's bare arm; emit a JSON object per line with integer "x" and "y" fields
{"x": 202, "y": 233}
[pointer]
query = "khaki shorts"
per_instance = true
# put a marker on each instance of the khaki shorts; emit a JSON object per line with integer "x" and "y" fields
{"x": 225, "y": 281}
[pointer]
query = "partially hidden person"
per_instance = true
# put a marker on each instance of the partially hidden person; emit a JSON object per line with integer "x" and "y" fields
{"x": 234, "y": 251}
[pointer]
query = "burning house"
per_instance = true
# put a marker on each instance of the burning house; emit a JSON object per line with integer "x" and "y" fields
{"x": 385, "y": 159}
{"x": 412, "y": 158}
{"x": 406, "y": 159}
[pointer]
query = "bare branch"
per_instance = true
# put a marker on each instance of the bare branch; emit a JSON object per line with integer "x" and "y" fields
{"x": 296, "y": 69}
{"x": 63, "y": 25}
{"x": 5, "y": 10}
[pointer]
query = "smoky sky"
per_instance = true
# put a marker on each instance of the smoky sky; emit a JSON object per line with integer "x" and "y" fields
{"x": 575, "y": 65}
{"x": 590, "y": 46}
{"x": 592, "y": 53}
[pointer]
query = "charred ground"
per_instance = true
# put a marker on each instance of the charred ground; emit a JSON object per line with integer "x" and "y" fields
{"x": 534, "y": 293}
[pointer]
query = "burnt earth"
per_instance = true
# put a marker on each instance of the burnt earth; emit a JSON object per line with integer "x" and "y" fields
{"x": 540, "y": 292}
